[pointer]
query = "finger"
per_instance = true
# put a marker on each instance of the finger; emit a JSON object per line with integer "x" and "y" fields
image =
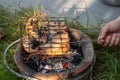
{"x": 100, "y": 41}
{"x": 104, "y": 32}
{"x": 107, "y": 40}
{"x": 114, "y": 37}
{"x": 101, "y": 38}
{"x": 117, "y": 40}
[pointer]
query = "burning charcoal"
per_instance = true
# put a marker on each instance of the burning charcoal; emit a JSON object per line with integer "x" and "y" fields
{"x": 76, "y": 60}
{"x": 46, "y": 64}
{"x": 48, "y": 60}
{"x": 59, "y": 70}
{"x": 43, "y": 63}
{"x": 75, "y": 52}
{"x": 58, "y": 66}
{"x": 43, "y": 58}
{"x": 62, "y": 70}
{"x": 68, "y": 53}
{"x": 41, "y": 67}
{"x": 36, "y": 58}
{"x": 44, "y": 71}
{"x": 66, "y": 65}
{"x": 71, "y": 66}
{"x": 48, "y": 67}
{"x": 50, "y": 71}
{"x": 71, "y": 53}
{"x": 32, "y": 65}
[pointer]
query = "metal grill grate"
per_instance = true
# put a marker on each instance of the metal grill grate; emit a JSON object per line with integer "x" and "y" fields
{"x": 51, "y": 39}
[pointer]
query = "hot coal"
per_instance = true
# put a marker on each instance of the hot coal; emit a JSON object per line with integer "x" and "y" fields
{"x": 76, "y": 60}
{"x": 32, "y": 65}
{"x": 47, "y": 64}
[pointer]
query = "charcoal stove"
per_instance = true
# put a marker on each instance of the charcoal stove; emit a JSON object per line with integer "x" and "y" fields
{"x": 51, "y": 51}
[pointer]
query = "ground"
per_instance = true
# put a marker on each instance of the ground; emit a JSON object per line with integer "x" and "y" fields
{"x": 107, "y": 58}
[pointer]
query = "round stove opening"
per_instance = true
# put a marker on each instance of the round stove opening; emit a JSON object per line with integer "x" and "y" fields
{"x": 75, "y": 64}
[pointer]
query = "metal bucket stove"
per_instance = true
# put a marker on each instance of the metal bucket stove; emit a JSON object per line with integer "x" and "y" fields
{"x": 55, "y": 52}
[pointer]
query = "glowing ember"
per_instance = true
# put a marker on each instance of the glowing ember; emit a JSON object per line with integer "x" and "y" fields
{"x": 66, "y": 65}
{"x": 43, "y": 58}
{"x": 47, "y": 64}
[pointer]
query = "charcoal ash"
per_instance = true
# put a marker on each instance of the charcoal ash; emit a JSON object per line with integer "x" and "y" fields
{"x": 42, "y": 70}
{"x": 47, "y": 64}
{"x": 58, "y": 66}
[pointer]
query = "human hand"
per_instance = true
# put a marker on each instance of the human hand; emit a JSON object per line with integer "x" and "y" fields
{"x": 109, "y": 34}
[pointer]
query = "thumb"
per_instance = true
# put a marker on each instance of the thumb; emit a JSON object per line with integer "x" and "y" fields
{"x": 101, "y": 38}
{"x": 103, "y": 32}
{"x": 102, "y": 35}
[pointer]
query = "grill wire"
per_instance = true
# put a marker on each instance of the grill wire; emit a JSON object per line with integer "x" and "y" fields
{"x": 56, "y": 26}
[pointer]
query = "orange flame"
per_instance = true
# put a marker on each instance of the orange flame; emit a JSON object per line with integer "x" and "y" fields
{"x": 43, "y": 58}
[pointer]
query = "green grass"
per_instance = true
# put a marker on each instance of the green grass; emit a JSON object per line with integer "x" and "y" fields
{"x": 10, "y": 23}
{"x": 107, "y": 66}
